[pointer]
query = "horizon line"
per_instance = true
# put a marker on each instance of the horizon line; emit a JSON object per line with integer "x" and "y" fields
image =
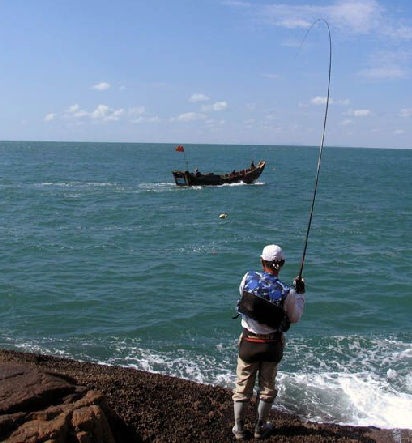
{"x": 201, "y": 144}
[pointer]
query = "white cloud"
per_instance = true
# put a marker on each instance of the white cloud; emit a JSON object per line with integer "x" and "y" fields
{"x": 214, "y": 124}
{"x": 141, "y": 119}
{"x": 351, "y": 16}
{"x": 137, "y": 115}
{"x": 402, "y": 32}
{"x": 101, "y": 113}
{"x": 102, "y": 86}
{"x": 343, "y": 102}
{"x": 189, "y": 116}
{"x": 217, "y": 106}
{"x": 198, "y": 97}
{"x": 388, "y": 64}
{"x": 399, "y": 132}
{"x": 75, "y": 112}
{"x": 49, "y": 117}
{"x": 359, "y": 112}
{"x": 318, "y": 100}
{"x": 292, "y": 23}
{"x": 346, "y": 122}
{"x": 137, "y": 110}
{"x": 384, "y": 72}
{"x": 406, "y": 112}
{"x": 288, "y": 16}
{"x": 104, "y": 113}
{"x": 153, "y": 119}
{"x": 237, "y": 3}
{"x": 358, "y": 16}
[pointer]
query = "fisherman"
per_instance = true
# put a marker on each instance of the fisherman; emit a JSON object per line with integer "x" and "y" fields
{"x": 252, "y": 165}
{"x": 267, "y": 307}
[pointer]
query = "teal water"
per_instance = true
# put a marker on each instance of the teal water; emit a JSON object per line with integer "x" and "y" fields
{"x": 104, "y": 259}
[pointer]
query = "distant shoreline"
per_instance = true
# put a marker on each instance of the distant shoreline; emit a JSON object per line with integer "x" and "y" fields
{"x": 173, "y": 143}
{"x": 163, "y": 408}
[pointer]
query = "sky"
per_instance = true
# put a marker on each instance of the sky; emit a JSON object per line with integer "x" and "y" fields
{"x": 206, "y": 71}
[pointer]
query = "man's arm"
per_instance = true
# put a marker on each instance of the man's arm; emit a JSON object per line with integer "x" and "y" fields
{"x": 294, "y": 305}
{"x": 242, "y": 284}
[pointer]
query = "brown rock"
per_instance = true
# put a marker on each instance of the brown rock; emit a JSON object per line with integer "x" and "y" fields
{"x": 91, "y": 421}
{"x": 39, "y": 430}
{"x": 70, "y": 412}
{"x": 23, "y": 388}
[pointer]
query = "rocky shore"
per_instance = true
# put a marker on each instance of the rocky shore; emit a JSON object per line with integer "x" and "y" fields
{"x": 45, "y": 398}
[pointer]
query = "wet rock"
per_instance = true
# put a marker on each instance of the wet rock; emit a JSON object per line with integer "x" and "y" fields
{"x": 39, "y": 406}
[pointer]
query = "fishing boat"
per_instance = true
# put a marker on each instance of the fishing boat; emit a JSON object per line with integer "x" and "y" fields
{"x": 186, "y": 178}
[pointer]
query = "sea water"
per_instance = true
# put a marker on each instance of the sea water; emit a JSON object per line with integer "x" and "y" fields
{"x": 103, "y": 258}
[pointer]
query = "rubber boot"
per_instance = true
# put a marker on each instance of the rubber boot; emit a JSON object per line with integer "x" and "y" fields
{"x": 262, "y": 428}
{"x": 238, "y": 430}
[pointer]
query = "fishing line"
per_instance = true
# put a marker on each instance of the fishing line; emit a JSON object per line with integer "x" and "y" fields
{"x": 321, "y": 143}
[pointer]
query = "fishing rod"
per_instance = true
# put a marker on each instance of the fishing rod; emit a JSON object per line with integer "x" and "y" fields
{"x": 320, "y": 147}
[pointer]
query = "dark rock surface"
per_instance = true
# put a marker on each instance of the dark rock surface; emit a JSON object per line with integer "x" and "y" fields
{"x": 141, "y": 406}
{"x": 36, "y": 405}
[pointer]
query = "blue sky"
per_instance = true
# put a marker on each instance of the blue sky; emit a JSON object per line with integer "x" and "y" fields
{"x": 206, "y": 71}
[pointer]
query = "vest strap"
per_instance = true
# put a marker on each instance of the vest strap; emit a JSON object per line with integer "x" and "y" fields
{"x": 271, "y": 336}
{"x": 258, "y": 340}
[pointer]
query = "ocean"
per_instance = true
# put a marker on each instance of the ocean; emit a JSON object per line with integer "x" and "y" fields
{"x": 104, "y": 259}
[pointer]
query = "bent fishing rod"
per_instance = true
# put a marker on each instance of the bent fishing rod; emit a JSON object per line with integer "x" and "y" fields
{"x": 320, "y": 147}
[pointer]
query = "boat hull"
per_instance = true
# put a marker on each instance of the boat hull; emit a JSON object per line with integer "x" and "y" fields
{"x": 186, "y": 178}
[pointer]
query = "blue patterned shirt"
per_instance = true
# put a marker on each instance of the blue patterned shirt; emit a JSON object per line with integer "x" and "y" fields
{"x": 269, "y": 287}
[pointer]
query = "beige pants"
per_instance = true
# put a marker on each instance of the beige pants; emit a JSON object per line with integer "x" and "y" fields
{"x": 246, "y": 378}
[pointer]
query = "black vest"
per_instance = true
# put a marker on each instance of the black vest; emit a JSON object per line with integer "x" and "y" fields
{"x": 263, "y": 311}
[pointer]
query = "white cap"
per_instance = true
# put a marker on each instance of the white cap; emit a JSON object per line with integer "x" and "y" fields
{"x": 272, "y": 253}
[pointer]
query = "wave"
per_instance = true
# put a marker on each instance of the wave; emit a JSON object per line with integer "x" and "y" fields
{"x": 166, "y": 186}
{"x": 233, "y": 185}
{"x": 355, "y": 380}
{"x": 141, "y": 187}
{"x": 361, "y": 399}
{"x": 78, "y": 184}
{"x": 345, "y": 380}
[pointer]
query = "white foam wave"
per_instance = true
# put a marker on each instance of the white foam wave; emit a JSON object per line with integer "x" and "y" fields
{"x": 355, "y": 399}
{"x": 233, "y": 185}
{"x": 350, "y": 380}
{"x": 78, "y": 184}
{"x": 156, "y": 187}
{"x": 347, "y": 380}
{"x": 161, "y": 187}
{"x": 182, "y": 363}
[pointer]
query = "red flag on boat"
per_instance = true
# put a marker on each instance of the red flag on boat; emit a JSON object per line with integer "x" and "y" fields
{"x": 180, "y": 148}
